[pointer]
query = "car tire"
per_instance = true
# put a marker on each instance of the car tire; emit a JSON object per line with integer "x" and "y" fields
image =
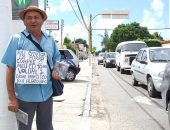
{"x": 106, "y": 65}
{"x": 169, "y": 112}
{"x": 121, "y": 71}
{"x": 118, "y": 68}
{"x": 71, "y": 75}
{"x": 134, "y": 81}
{"x": 151, "y": 89}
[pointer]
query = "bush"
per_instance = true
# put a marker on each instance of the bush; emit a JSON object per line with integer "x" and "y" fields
{"x": 153, "y": 42}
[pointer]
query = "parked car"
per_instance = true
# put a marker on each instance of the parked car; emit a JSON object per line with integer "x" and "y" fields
{"x": 126, "y": 52}
{"x": 109, "y": 59}
{"x": 148, "y": 68}
{"x": 69, "y": 57}
{"x": 100, "y": 57}
{"x": 165, "y": 89}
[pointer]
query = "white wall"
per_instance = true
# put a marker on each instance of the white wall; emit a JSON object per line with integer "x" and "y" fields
{"x": 7, "y": 119}
{"x": 18, "y": 26}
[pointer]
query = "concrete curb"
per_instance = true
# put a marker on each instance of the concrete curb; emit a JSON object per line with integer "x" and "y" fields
{"x": 87, "y": 108}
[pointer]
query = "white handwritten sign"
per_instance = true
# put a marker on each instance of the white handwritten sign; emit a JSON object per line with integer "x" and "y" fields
{"x": 31, "y": 67}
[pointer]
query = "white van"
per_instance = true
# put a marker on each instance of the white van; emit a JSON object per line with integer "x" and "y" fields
{"x": 126, "y": 53}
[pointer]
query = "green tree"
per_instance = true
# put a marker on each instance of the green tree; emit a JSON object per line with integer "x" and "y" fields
{"x": 81, "y": 41}
{"x": 156, "y": 35}
{"x": 67, "y": 42}
{"x": 128, "y": 32}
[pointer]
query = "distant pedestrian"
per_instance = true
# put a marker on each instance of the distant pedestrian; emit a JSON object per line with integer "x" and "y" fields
{"x": 32, "y": 98}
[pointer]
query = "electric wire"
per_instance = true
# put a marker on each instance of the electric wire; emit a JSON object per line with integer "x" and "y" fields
{"x": 81, "y": 14}
{"x": 76, "y": 14}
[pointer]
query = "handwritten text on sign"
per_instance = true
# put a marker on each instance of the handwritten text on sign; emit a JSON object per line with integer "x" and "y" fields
{"x": 31, "y": 67}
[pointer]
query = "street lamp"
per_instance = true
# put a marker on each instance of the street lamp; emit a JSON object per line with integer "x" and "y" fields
{"x": 115, "y": 14}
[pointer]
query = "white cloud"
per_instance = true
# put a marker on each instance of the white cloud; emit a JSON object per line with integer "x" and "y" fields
{"x": 52, "y": 10}
{"x": 72, "y": 31}
{"x": 65, "y": 6}
{"x": 152, "y": 18}
{"x": 107, "y": 24}
{"x": 157, "y": 6}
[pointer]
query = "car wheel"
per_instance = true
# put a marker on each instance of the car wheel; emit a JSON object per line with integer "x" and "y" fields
{"x": 151, "y": 89}
{"x": 121, "y": 71}
{"x": 118, "y": 68}
{"x": 106, "y": 65}
{"x": 169, "y": 112}
{"x": 71, "y": 75}
{"x": 134, "y": 81}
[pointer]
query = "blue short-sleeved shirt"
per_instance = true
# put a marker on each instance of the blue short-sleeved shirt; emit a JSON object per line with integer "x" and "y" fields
{"x": 32, "y": 92}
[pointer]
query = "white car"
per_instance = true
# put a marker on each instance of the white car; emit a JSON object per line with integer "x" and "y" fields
{"x": 126, "y": 52}
{"x": 148, "y": 68}
{"x": 100, "y": 57}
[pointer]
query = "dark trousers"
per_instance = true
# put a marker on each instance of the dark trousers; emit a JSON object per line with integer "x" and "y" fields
{"x": 43, "y": 112}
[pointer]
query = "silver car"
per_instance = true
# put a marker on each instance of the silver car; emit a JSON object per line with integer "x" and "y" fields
{"x": 148, "y": 68}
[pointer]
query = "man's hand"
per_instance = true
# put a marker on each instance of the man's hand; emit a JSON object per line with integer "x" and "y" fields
{"x": 55, "y": 75}
{"x": 13, "y": 105}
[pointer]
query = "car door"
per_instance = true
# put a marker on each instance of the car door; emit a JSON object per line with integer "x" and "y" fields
{"x": 136, "y": 65}
{"x": 143, "y": 67}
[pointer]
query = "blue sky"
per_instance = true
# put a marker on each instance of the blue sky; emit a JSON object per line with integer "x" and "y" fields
{"x": 153, "y": 14}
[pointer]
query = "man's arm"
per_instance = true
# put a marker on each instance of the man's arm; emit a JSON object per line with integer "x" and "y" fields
{"x": 12, "y": 100}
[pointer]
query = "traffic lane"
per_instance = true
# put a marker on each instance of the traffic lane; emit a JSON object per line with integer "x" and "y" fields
{"x": 123, "y": 103}
{"x": 141, "y": 88}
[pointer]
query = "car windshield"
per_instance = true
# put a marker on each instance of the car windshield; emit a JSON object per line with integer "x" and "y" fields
{"x": 101, "y": 54}
{"x": 159, "y": 55}
{"x": 110, "y": 55}
{"x": 133, "y": 46}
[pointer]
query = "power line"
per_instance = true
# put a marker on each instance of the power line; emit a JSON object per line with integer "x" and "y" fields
{"x": 148, "y": 28}
{"x": 76, "y": 14}
{"x": 159, "y": 28}
{"x": 81, "y": 15}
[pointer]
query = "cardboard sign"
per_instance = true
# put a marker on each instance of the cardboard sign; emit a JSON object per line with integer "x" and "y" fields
{"x": 31, "y": 67}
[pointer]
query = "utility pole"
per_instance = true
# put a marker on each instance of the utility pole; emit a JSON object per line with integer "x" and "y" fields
{"x": 90, "y": 40}
{"x": 62, "y": 24}
{"x": 45, "y": 5}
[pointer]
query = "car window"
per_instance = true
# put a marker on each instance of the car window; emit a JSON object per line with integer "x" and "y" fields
{"x": 63, "y": 57}
{"x": 139, "y": 55}
{"x": 101, "y": 54}
{"x": 144, "y": 56}
{"x": 159, "y": 55}
{"x": 68, "y": 55}
{"x": 65, "y": 54}
{"x": 133, "y": 46}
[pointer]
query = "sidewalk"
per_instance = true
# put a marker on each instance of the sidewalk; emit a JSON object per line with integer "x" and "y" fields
{"x": 71, "y": 110}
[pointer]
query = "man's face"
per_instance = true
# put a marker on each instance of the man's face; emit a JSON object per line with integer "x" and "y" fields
{"x": 33, "y": 21}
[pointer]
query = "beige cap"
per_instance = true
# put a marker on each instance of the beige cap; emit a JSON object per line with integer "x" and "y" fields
{"x": 32, "y": 8}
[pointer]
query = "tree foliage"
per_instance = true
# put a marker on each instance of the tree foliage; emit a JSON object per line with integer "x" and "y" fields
{"x": 81, "y": 41}
{"x": 129, "y": 32}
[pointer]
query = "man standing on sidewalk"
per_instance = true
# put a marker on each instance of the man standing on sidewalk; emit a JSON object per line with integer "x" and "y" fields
{"x": 31, "y": 98}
